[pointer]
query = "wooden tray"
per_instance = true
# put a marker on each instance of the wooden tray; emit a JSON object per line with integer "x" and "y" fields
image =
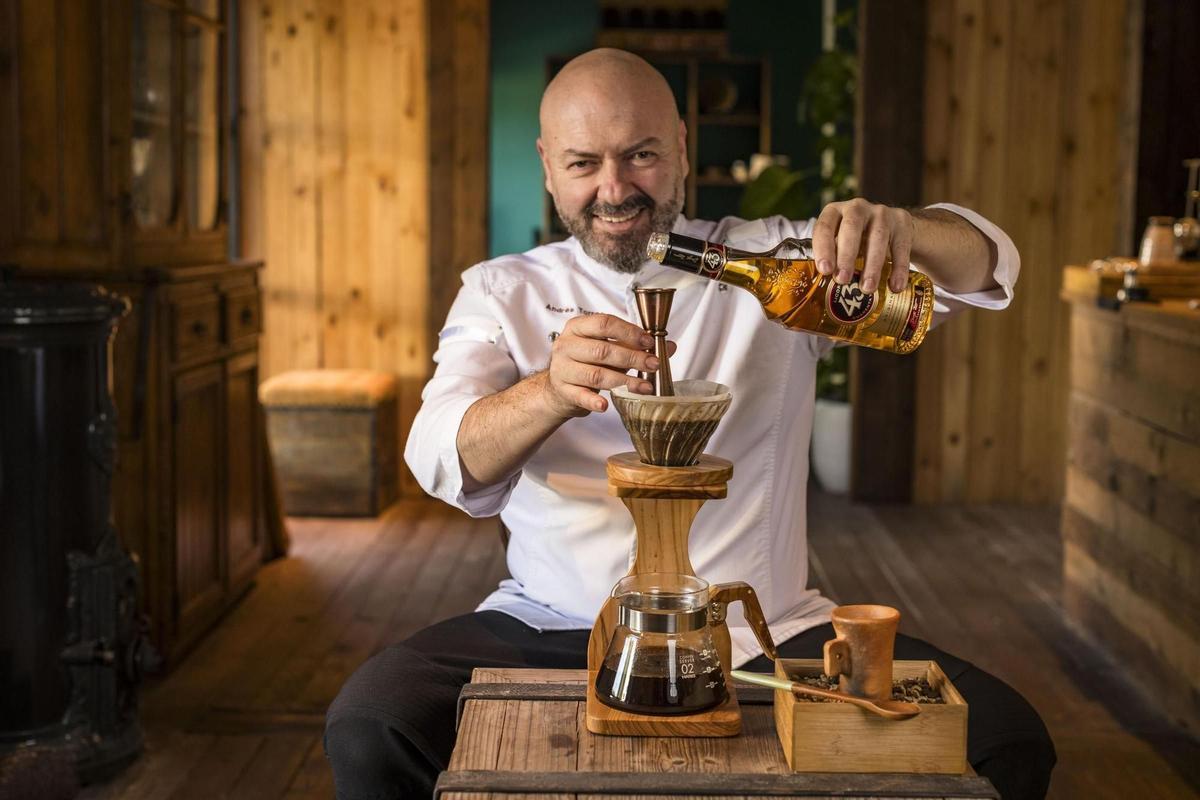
{"x": 839, "y": 737}
{"x": 522, "y": 733}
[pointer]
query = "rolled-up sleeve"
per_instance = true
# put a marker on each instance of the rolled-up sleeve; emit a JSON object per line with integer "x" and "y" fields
{"x": 1008, "y": 265}
{"x": 473, "y": 361}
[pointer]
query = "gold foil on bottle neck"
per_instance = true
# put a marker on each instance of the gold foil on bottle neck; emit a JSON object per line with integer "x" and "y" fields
{"x": 656, "y": 248}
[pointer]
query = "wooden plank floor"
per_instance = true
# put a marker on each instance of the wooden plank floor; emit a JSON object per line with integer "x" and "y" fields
{"x": 242, "y": 716}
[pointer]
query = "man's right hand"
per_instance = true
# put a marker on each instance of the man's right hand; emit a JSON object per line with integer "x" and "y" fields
{"x": 499, "y": 432}
{"x": 594, "y": 352}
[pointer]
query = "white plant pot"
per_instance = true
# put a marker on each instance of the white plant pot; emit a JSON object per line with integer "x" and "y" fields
{"x": 831, "y": 445}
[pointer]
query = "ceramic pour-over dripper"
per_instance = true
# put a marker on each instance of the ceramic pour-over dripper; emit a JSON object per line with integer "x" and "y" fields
{"x": 672, "y": 431}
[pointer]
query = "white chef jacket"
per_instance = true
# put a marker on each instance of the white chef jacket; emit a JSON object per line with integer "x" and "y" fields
{"x": 570, "y": 540}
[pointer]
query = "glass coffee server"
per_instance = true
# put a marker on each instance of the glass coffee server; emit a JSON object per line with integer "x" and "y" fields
{"x": 662, "y": 658}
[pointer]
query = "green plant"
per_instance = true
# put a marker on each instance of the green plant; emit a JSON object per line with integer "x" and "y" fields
{"x": 833, "y": 375}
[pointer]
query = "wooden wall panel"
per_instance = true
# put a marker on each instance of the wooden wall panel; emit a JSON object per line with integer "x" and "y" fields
{"x": 928, "y": 419}
{"x": 400, "y": 213}
{"x": 333, "y": 119}
{"x": 369, "y": 174}
{"x": 1044, "y": 50}
{"x": 458, "y": 160}
{"x": 1024, "y": 115}
{"x": 992, "y": 466}
{"x": 303, "y": 343}
{"x": 288, "y": 223}
{"x": 350, "y": 331}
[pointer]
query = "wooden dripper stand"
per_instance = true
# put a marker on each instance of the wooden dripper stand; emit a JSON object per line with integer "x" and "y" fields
{"x": 663, "y": 485}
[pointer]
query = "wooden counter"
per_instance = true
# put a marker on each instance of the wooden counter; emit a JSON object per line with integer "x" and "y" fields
{"x": 1131, "y": 514}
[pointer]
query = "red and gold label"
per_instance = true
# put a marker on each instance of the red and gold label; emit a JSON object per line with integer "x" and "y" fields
{"x": 848, "y": 304}
{"x": 712, "y": 263}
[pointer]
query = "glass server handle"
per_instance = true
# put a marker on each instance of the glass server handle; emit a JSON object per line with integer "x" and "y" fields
{"x": 725, "y": 593}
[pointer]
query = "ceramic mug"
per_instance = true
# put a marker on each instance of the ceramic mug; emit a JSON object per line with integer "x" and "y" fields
{"x": 862, "y": 652}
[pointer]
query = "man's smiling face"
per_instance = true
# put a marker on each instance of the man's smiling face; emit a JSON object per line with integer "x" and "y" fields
{"x": 614, "y": 155}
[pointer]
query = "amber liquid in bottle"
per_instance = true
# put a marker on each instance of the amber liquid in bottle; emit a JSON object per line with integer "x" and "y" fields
{"x": 796, "y": 296}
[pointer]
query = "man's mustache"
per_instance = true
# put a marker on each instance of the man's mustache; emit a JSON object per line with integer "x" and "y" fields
{"x": 632, "y": 203}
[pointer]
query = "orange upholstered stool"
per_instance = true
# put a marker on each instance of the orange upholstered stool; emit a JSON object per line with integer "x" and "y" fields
{"x": 333, "y": 438}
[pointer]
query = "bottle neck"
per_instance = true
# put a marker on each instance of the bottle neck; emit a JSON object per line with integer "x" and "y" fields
{"x": 706, "y": 259}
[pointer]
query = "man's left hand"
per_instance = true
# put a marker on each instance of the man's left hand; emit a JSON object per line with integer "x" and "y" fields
{"x": 839, "y": 235}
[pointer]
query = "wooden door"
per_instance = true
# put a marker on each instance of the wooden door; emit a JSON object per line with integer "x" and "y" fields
{"x": 242, "y": 469}
{"x": 200, "y": 574}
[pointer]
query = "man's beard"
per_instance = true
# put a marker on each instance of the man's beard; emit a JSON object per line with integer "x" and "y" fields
{"x": 622, "y": 252}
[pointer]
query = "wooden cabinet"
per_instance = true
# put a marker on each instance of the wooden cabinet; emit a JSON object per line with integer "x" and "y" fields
{"x": 189, "y": 493}
{"x": 116, "y": 129}
{"x": 243, "y": 468}
{"x": 195, "y": 455}
{"x": 115, "y": 136}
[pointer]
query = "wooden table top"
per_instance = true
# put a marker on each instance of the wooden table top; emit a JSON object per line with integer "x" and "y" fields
{"x": 522, "y": 733}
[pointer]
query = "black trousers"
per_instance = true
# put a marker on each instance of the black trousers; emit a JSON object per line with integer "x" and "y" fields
{"x": 390, "y": 730}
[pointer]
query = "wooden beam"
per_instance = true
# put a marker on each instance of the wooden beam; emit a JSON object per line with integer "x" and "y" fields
{"x": 888, "y": 161}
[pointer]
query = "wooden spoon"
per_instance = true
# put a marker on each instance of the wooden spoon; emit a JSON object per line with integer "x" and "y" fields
{"x": 889, "y": 709}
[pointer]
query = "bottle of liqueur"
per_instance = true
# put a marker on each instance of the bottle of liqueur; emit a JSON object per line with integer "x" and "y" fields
{"x": 796, "y": 296}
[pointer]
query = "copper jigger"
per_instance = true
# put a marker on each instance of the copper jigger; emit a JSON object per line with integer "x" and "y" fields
{"x": 654, "y": 307}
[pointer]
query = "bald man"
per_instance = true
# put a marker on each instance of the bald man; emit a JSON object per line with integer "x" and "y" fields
{"x": 514, "y": 423}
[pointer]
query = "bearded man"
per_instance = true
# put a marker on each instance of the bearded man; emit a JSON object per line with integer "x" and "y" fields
{"x": 513, "y": 423}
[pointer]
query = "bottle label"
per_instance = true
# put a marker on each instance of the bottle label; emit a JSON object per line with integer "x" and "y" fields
{"x": 848, "y": 304}
{"x": 901, "y": 314}
{"x": 712, "y": 263}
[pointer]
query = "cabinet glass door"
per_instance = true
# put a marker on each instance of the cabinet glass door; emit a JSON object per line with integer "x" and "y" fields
{"x": 181, "y": 126}
{"x": 202, "y": 125}
{"x": 152, "y": 149}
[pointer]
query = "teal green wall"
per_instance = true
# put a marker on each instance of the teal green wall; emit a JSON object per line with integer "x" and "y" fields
{"x": 526, "y": 32}
{"x": 789, "y": 35}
